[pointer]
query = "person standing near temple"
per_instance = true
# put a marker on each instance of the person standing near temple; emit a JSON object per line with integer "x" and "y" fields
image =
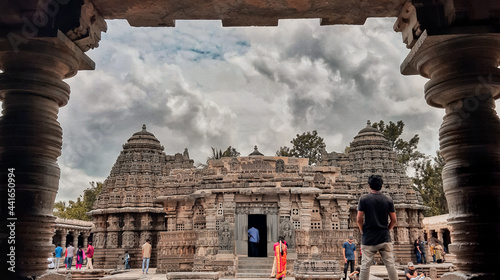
{"x": 374, "y": 211}
{"x": 438, "y": 250}
{"x": 146, "y": 255}
{"x": 90, "y": 255}
{"x": 58, "y": 255}
{"x": 416, "y": 249}
{"x": 80, "y": 256}
{"x": 127, "y": 260}
{"x": 423, "y": 246}
{"x": 70, "y": 252}
{"x": 349, "y": 252}
{"x": 253, "y": 239}
{"x": 280, "y": 254}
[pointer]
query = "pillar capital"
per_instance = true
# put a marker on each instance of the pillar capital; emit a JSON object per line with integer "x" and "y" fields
{"x": 458, "y": 66}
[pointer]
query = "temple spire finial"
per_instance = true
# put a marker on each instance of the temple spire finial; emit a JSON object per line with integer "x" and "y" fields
{"x": 368, "y": 123}
{"x": 144, "y": 127}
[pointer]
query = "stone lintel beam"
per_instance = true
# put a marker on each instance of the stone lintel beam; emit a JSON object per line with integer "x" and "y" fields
{"x": 245, "y": 12}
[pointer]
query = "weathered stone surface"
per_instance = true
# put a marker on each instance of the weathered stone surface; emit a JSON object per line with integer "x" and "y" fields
{"x": 246, "y": 12}
{"x": 206, "y": 211}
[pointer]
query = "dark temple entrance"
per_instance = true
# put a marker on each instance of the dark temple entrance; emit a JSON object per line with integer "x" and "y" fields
{"x": 259, "y": 222}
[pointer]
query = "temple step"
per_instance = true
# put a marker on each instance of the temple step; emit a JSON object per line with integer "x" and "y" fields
{"x": 254, "y": 267}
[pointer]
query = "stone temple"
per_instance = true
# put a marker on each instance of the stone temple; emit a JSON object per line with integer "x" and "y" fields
{"x": 198, "y": 219}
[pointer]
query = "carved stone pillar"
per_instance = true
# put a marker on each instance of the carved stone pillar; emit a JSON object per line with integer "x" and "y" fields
{"x": 31, "y": 91}
{"x": 465, "y": 80}
{"x": 75, "y": 238}
{"x": 64, "y": 233}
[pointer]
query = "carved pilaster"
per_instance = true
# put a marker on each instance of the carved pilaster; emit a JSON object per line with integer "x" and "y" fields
{"x": 211, "y": 211}
{"x": 306, "y": 204}
{"x": 465, "y": 79}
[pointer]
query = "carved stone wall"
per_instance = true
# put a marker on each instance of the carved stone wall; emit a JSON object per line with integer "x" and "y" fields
{"x": 203, "y": 222}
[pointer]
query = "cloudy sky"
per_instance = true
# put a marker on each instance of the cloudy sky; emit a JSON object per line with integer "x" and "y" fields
{"x": 200, "y": 85}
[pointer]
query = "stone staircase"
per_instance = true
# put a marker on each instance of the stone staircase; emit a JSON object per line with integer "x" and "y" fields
{"x": 254, "y": 267}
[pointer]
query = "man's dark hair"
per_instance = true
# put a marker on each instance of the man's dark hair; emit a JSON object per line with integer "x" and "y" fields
{"x": 375, "y": 182}
{"x": 58, "y": 244}
{"x": 147, "y": 240}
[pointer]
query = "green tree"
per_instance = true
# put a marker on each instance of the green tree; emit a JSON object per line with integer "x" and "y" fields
{"x": 406, "y": 151}
{"x": 307, "y": 145}
{"x": 284, "y": 152}
{"x": 78, "y": 209}
{"x": 429, "y": 184}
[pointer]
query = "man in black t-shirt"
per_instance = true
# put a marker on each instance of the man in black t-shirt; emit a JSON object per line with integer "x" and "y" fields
{"x": 375, "y": 208}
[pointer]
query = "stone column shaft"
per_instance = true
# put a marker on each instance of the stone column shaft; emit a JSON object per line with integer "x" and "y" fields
{"x": 465, "y": 80}
{"x": 31, "y": 91}
{"x": 64, "y": 233}
{"x": 75, "y": 238}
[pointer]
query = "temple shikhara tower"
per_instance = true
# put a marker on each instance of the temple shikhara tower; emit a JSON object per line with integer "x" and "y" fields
{"x": 198, "y": 219}
{"x": 125, "y": 213}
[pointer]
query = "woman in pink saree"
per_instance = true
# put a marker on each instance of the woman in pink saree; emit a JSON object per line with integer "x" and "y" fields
{"x": 280, "y": 257}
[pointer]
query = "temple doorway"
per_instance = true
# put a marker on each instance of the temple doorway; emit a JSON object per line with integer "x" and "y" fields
{"x": 264, "y": 217}
{"x": 259, "y": 222}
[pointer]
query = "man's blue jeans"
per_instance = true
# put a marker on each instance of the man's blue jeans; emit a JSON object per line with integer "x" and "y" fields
{"x": 69, "y": 262}
{"x": 419, "y": 257}
{"x": 145, "y": 261}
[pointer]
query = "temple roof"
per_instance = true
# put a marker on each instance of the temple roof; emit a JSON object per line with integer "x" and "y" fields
{"x": 143, "y": 139}
{"x": 370, "y": 138}
{"x": 256, "y": 152}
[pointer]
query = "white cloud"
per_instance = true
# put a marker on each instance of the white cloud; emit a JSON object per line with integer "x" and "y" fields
{"x": 200, "y": 85}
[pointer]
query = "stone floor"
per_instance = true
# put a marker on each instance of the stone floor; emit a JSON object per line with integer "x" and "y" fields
{"x": 377, "y": 272}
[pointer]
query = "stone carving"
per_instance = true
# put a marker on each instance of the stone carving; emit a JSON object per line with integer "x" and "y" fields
{"x": 280, "y": 166}
{"x": 112, "y": 240}
{"x": 226, "y": 236}
{"x": 100, "y": 240}
{"x": 287, "y": 230}
{"x": 145, "y": 235}
{"x": 129, "y": 239}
